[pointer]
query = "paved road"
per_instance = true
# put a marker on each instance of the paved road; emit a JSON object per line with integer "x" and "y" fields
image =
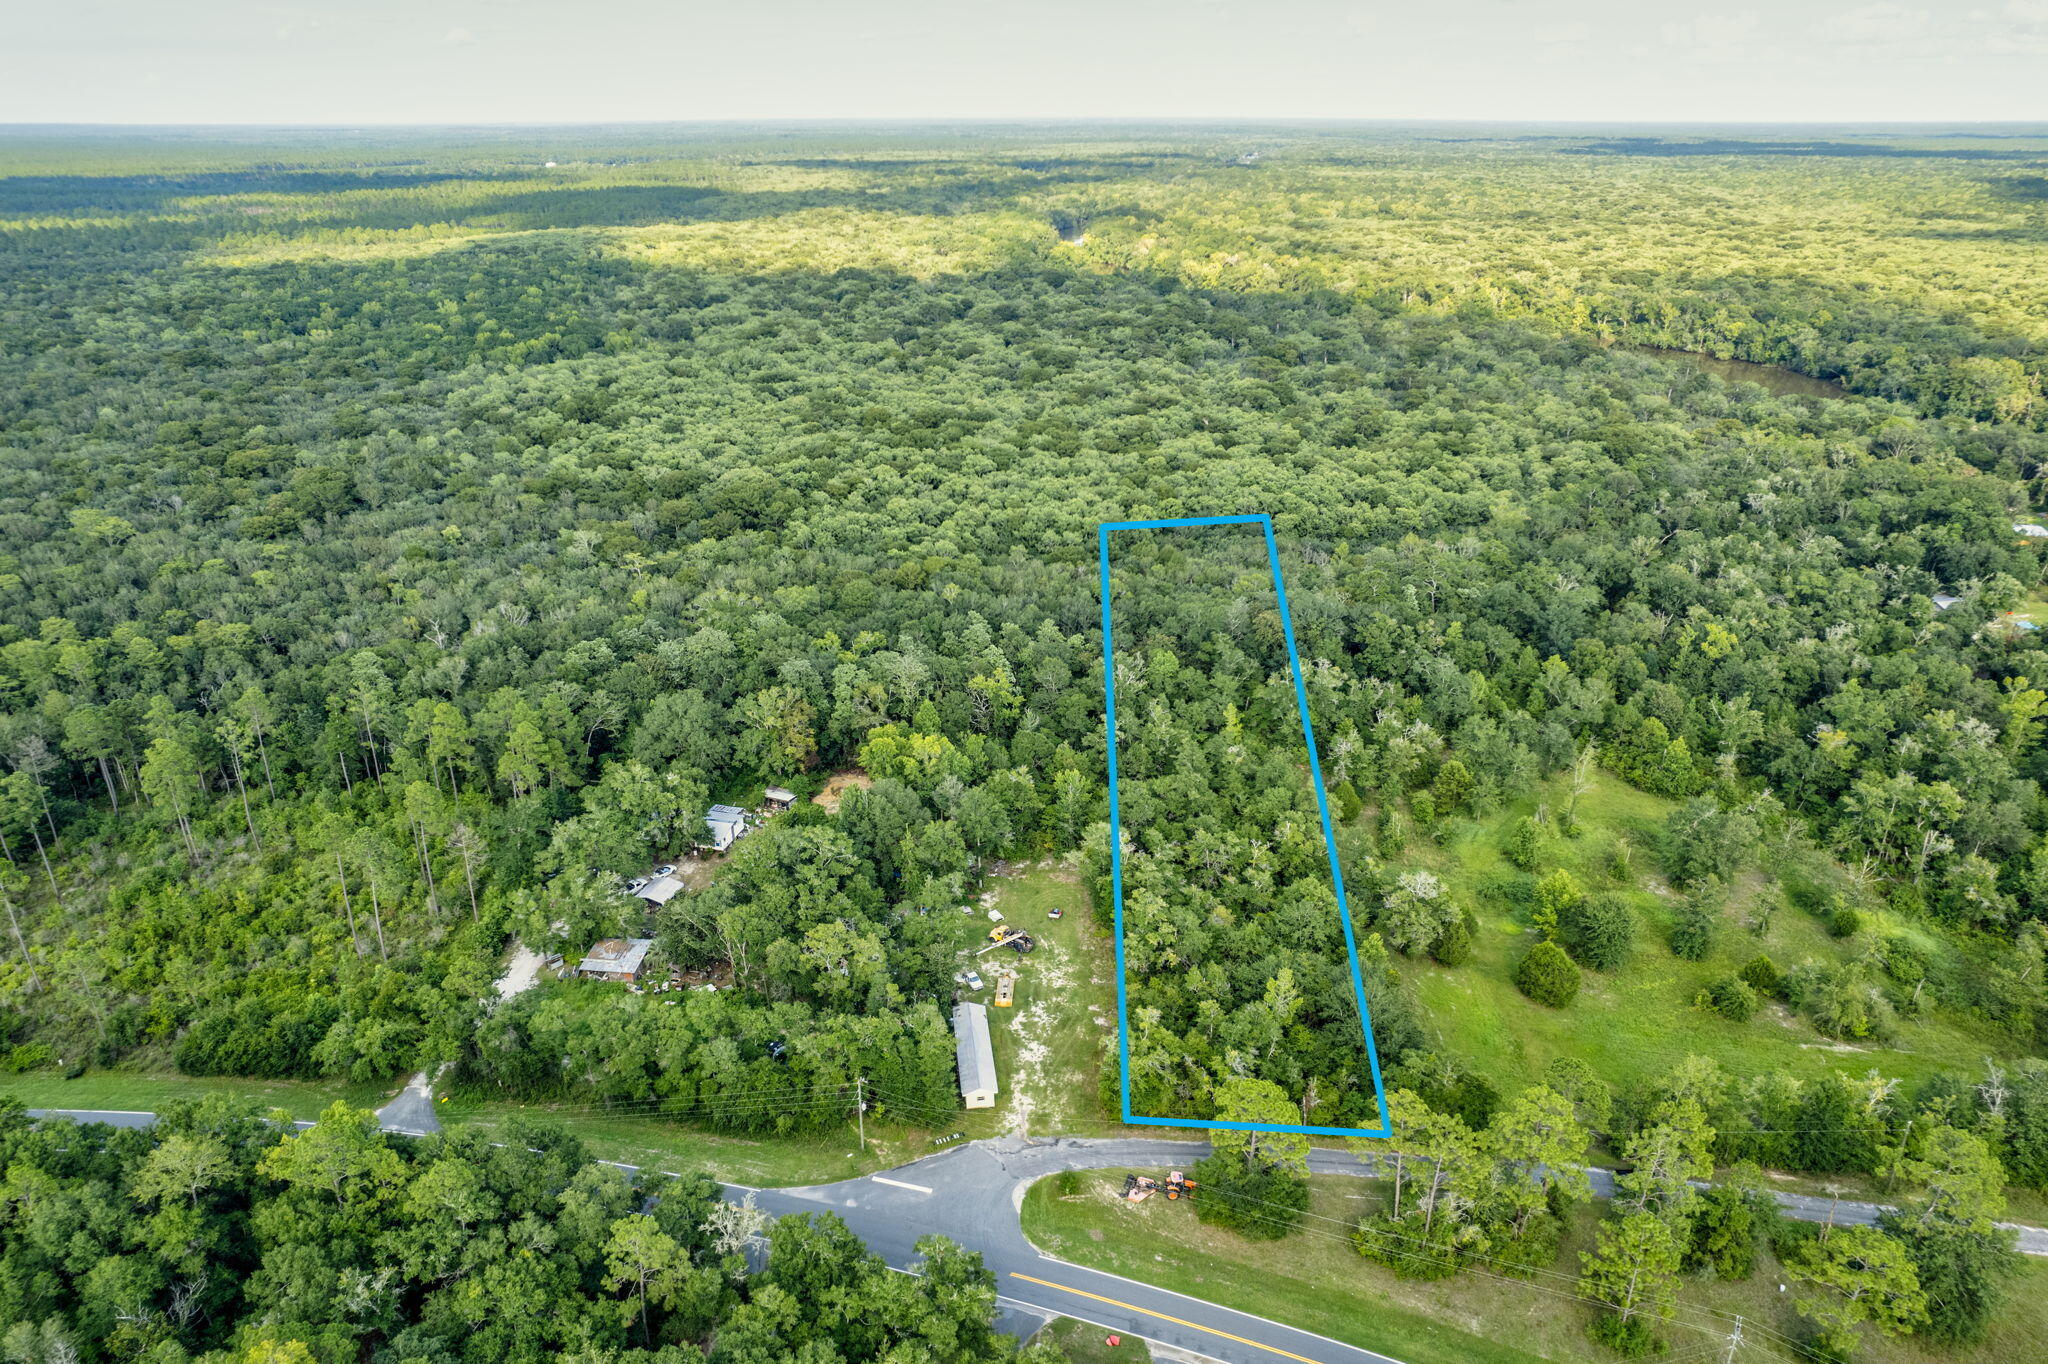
{"x": 973, "y": 1192}
{"x": 412, "y": 1111}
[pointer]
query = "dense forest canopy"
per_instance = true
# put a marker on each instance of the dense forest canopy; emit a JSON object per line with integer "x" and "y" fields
{"x": 403, "y": 538}
{"x": 336, "y": 1242}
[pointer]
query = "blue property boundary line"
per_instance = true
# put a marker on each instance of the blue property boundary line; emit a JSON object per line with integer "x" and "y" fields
{"x": 1116, "y": 842}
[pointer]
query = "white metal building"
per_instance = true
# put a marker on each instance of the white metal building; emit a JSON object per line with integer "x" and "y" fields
{"x": 660, "y": 890}
{"x": 976, "y": 1055}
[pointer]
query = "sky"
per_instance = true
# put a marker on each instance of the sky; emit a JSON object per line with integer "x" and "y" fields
{"x": 361, "y": 62}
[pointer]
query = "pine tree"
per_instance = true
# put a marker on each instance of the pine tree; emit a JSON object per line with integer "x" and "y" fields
{"x": 1633, "y": 1271}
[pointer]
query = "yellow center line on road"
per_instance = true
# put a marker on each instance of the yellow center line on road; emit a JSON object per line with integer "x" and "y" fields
{"x": 1133, "y": 1307}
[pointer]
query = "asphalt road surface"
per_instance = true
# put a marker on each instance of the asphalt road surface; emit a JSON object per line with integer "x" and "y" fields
{"x": 973, "y": 1192}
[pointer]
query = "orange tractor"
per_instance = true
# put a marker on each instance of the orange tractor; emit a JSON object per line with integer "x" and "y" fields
{"x": 1138, "y": 1188}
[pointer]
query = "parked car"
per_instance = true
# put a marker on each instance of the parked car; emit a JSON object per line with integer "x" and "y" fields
{"x": 970, "y": 978}
{"x": 634, "y": 886}
{"x": 1055, "y": 912}
{"x": 669, "y": 870}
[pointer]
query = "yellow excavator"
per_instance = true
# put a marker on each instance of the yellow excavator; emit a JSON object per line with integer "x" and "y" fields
{"x": 1016, "y": 939}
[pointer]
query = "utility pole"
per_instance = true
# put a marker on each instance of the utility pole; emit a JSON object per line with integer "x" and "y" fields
{"x": 1734, "y": 1343}
{"x": 860, "y": 1109}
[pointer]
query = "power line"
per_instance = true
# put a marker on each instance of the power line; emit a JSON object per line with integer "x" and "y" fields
{"x": 1518, "y": 1273}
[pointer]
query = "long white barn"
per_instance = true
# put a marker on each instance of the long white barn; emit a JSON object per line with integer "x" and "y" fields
{"x": 976, "y": 1055}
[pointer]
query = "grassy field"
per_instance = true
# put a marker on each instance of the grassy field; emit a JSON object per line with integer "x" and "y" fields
{"x": 146, "y": 1091}
{"x": 761, "y": 1162}
{"x": 1085, "y": 1343}
{"x": 1315, "y": 1281}
{"x": 1052, "y": 1043}
{"x": 1640, "y": 1020}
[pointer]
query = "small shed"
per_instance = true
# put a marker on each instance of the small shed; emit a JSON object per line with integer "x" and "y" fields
{"x": 1943, "y": 601}
{"x": 615, "y": 959}
{"x": 727, "y": 823}
{"x": 660, "y": 890}
{"x": 976, "y": 1055}
{"x": 777, "y": 798}
{"x": 2030, "y": 530}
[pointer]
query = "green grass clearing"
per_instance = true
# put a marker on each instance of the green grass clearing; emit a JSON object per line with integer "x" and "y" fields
{"x": 1057, "y": 1043}
{"x": 1314, "y": 1280}
{"x": 763, "y": 1162}
{"x": 147, "y": 1091}
{"x": 1639, "y": 1021}
{"x": 1052, "y": 1044}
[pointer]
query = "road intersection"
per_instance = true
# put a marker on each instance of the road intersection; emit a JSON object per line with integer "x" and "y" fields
{"x": 974, "y": 1192}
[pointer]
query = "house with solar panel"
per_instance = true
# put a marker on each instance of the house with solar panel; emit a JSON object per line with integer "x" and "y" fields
{"x": 727, "y": 825}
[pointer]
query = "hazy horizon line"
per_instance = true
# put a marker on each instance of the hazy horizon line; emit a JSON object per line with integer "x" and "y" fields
{"x": 1026, "y": 120}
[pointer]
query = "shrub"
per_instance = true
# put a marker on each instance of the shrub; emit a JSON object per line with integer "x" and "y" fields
{"x": 1692, "y": 931}
{"x": 1548, "y": 976}
{"x": 1805, "y": 896}
{"x": 257, "y": 1037}
{"x": 1454, "y": 948}
{"x": 1724, "y": 1232}
{"x": 1422, "y": 805}
{"x": 1387, "y": 831}
{"x": 30, "y": 1056}
{"x": 1510, "y": 890}
{"x": 1763, "y": 976}
{"x": 1840, "y": 1002}
{"x": 1525, "y": 841}
{"x": 1845, "y": 922}
{"x": 1631, "y": 1338}
{"x": 1901, "y": 960}
{"x": 1598, "y": 932}
{"x": 1399, "y": 1244}
{"x": 1347, "y": 801}
{"x": 806, "y": 813}
{"x": 1258, "y": 1204}
{"x": 1732, "y": 997}
{"x": 1453, "y": 787}
{"x": 1556, "y": 895}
